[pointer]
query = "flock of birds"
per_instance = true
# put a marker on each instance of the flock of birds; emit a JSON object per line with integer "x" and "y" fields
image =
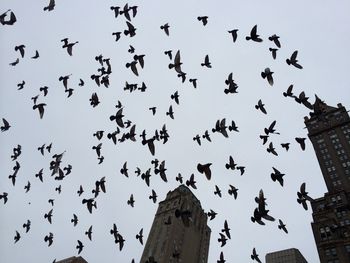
{"x": 126, "y": 131}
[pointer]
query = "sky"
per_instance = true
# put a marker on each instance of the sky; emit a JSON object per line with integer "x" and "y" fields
{"x": 318, "y": 30}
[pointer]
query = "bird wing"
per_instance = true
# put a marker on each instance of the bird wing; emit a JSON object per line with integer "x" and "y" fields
{"x": 69, "y": 50}
{"x": 294, "y": 56}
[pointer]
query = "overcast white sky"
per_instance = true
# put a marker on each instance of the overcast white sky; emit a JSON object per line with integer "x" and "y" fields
{"x": 319, "y": 30}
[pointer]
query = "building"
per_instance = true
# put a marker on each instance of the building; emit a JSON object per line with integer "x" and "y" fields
{"x": 291, "y": 255}
{"x": 329, "y": 131}
{"x": 179, "y": 232}
{"x": 72, "y": 260}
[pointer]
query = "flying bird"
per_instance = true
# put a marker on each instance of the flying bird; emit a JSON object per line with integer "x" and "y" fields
{"x": 79, "y": 246}
{"x": 51, "y": 6}
{"x": 273, "y": 52}
{"x": 226, "y": 230}
{"x": 68, "y": 45}
{"x": 17, "y": 237}
{"x": 26, "y": 226}
{"x": 275, "y": 39}
{"x": 131, "y": 200}
{"x": 253, "y": 35}
{"x": 49, "y": 238}
{"x": 217, "y": 191}
{"x": 233, "y": 191}
{"x": 277, "y": 175}
{"x": 177, "y": 63}
{"x": 74, "y": 220}
{"x": 267, "y": 73}
{"x": 165, "y": 27}
{"x": 301, "y": 142}
{"x": 206, "y": 62}
{"x": 271, "y": 149}
{"x": 233, "y": 33}
{"x": 293, "y": 60}
{"x": 36, "y": 55}
{"x": 205, "y": 168}
{"x": 89, "y": 233}
{"x": 20, "y": 48}
{"x": 203, "y": 19}
{"x": 282, "y": 226}
{"x": 153, "y": 196}
{"x": 255, "y": 256}
{"x": 191, "y": 182}
{"x": 9, "y": 22}
{"x": 139, "y": 236}
{"x": 222, "y": 239}
{"x": 6, "y": 125}
{"x": 231, "y": 164}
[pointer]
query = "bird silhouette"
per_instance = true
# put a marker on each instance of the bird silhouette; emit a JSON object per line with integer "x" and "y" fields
{"x": 222, "y": 239}
{"x": 21, "y": 85}
{"x": 80, "y": 246}
{"x": 17, "y": 237}
{"x": 282, "y": 226}
{"x": 275, "y": 39}
{"x": 253, "y": 35}
{"x": 131, "y": 31}
{"x": 271, "y": 129}
{"x": 221, "y": 259}
{"x": 68, "y": 45}
{"x": 203, "y": 19}
{"x": 4, "y": 196}
{"x": 89, "y": 233}
{"x": 301, "y": 142}
{"x": 50, "y": 6}
{"x": 233, "y": 33}
{"x": 194, "y": 82}
{"x": 10, "y": 21}
{"x": 231, "y": 164}
{"x": 267, "y": 73}
{"x": 271, "y": 149}
{"x": 131, "y": 201}
{"x": 170, "y": 112}
{"x": 211, "y": 214}
{"x": 191, "y": 182}
{"x": 153, "y": 196}
{"x": 285, "y": 145}
{"x": 139, "y": 236}
{"x": 21, "y": 50}
{"x": 255, "y": 256}
{"x": 116, "y": 10}
{"x": 177, "y": 63}
{"x": 6, "y": 125}
{"x": 175, "y": 97}
{"x": 277, "y": 175}
{"x": 217, "y": 191}
{"x": 27, "y": 225}
{"x": 273, "y": 52}
{"x": 226, "y": 230}
{"x": 36, "y": 55}
{"x": 49, "y": 216}
{"x": 49, "y": 238}
{"x": 289, "y": 92}
{"x": 205, "y": 168}
{"x": 165, "y": 27}
{"x": 293, "y": 60}
{"x": 179, "y": 178}
{"x": 74, "y": 220}
{"x": 233, "y": 191}
{"x": 206, "y": 62}
{"x": 14, "y": 63}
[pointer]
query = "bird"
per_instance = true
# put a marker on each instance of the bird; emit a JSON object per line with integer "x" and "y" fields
{"x": 233, "y": 191}
{"x": 273, "y": 52}
{"x": 27, "y": 187}
{"x": 169, "y": 54}
{"x": 4, "y": 196}
{"x": 40, "y": 175}
{"x": 131, "y": 31}
{"x": 153, "y": 196}
{"x": 165, "y": 27}
{"x": 49, "y": 238}
{"x": 97, "y": 148}
{"x": 153, "y": 110}
{"x": 293, "y": 60}
{"x": 170, "y": 112}
{"x": 277, "y": 175}
{"x": 21, "y": 85}
{"x": 132, "y": 66}
{"x": 120, "y": 240}
{"x": 206, "y": 136}
{"x": 79, "y": 246}
{"x": 260, "y": 106}
{"x": 233, "y": 33}
{"x": 118, "y": 117}
{"x": 80, "y": 191}
{"x": 289, "y": 92}
{"x": 197, "y": 138}
{"x": 253, "y": 35}
{"x": 6, "y": 125}
{"x": 255, "y": 256}
{"x": 231, "y": 164}
{"x": 117, "y": 35}
{"x": 175, "y": 97}
{"x": 275, "y": 39}
{"x": 131, "y": 49}
{"x": 36, "y": 55}
{"x": 301, "y": 142}
{"x": 221, "y": 259}
{"x": 271, "y": 129}
{"x": 233, "y": 127}
{"x": 211, "y": 214}
{"x": 222, "y": 239}
{"x": 94, "y": 101}
{"x": 51, "y": 6}
{"x": 68, "y": 45}
{"x": 191, "y": 182}
{"x": 12, "y": 19}
{"x": 206, "y": 62}
{"x": 271, "y": 149}
{"x": 17, "y": 237}
{"x": 44, "y": 89}
{"x": 267, "y": 73}
{"x": 124, "y": 169}
{"x": 21, "y": 49}
{"x": 114, "y": 231}
{"x": 131, "y": 200}
{"x": 203, "y": 19}
{"x": 90, "y": 203}
{"x": 49, "y": 216}
{"x": 282, "y": 226}
{"x": 14, "y": 63}
{"x": 226, "y": 230}
{"x": 74, "y": 220}
{"x": 26, "y": 226}
{"x": 139, "y": 236}
{"x": 51, "y": 201}
{"x": 116, "y": 10}
{"x": 194, "y": 82}
{"x": 161, "y": 170}
{"x": 205, "y": 168}
{"x": 217, "y": 191}
{"x": 89, "y": 233}
{"x": 241, "y": 169}
{"x": 179, "y": 178}
{"x": 285, "y": 145}
{"x": 177, "y": 63}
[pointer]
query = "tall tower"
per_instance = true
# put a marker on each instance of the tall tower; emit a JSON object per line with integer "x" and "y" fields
{"x": 179, "y": 231}
{"x": 329, "y": 132}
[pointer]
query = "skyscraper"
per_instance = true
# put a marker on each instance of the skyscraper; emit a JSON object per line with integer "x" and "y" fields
{"x": 329, "y": 132}
{"x": 291, "y": 255}
{"x": 179, "y": 232}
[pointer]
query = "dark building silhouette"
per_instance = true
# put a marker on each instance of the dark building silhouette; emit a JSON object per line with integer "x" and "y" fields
{"x": 72, "y": 260}
{"x": 329, "y": 132}
{"x": 179, "y": 232}
{"x": 291, "y": 255}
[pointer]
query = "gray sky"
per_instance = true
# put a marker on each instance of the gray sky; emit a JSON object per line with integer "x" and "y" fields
{"x": 319, "y": 30}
